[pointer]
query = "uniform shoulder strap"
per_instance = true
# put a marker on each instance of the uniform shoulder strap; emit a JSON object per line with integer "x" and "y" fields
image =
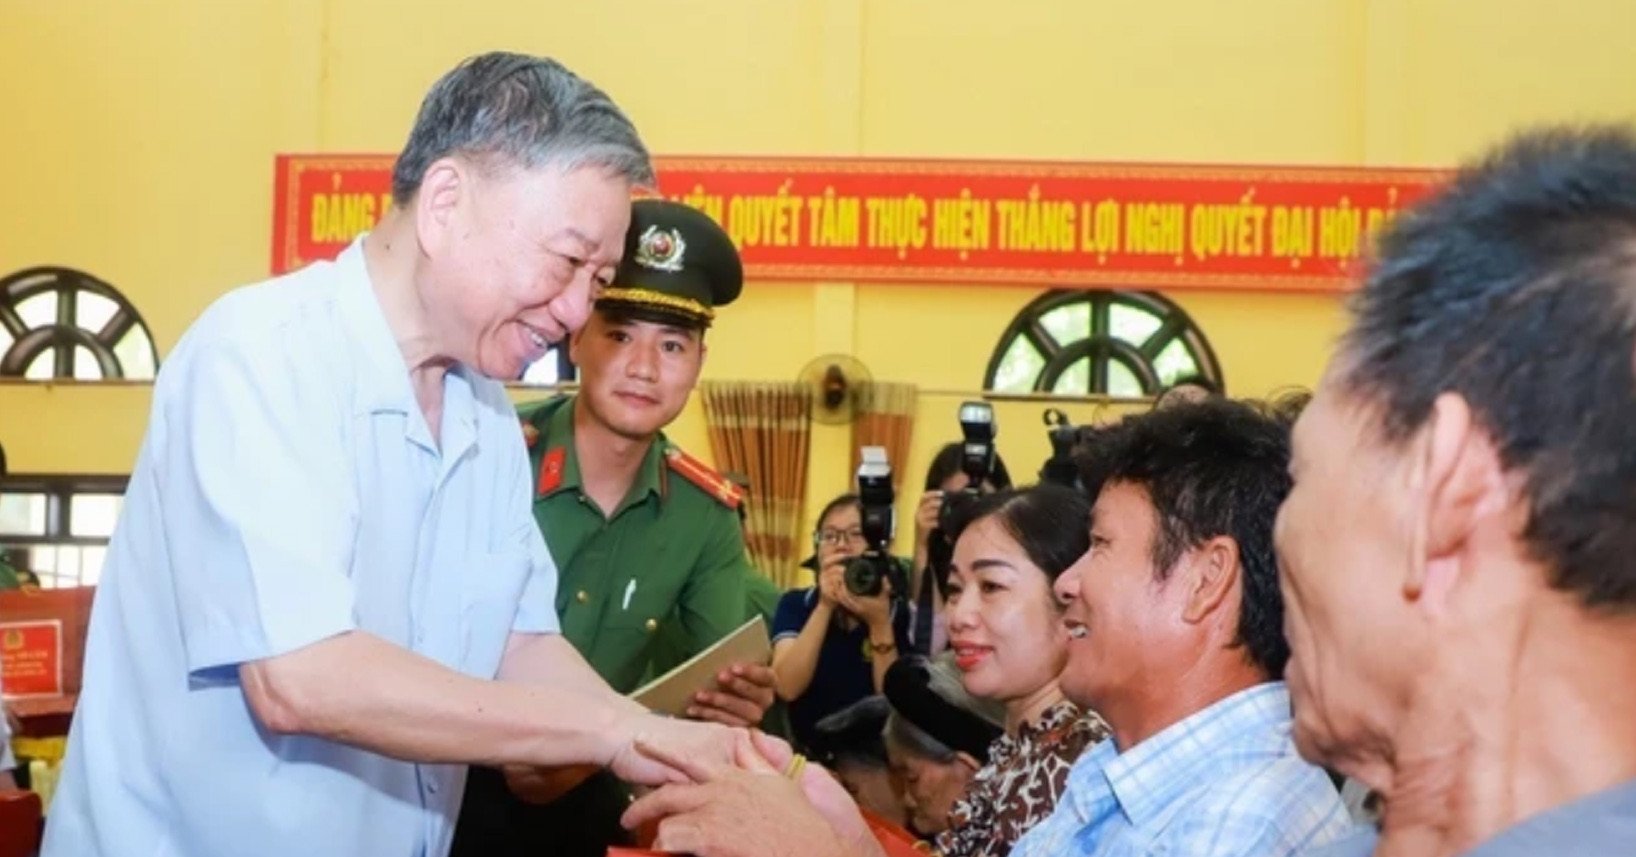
{"x": 704, "y": 476}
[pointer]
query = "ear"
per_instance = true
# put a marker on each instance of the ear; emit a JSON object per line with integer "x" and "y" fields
{"x": 968, "y": 760}
{"x": 1457, "y": 478}
{"x": 441, "y": 192}
{"x": 1214, "y": 572}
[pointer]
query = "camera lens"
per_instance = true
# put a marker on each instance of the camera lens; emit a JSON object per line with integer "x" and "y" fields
{"x": 862, "y": 577}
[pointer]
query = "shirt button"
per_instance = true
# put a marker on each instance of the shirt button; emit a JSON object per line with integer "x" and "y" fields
{"x": 652, "y": 625}
{"x": 431, "y": 786}
{"x": 582, "y": 596}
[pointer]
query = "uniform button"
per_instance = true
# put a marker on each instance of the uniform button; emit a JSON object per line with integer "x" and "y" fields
{"x": 582, "y": 596}
{"x": 652, "y": 625}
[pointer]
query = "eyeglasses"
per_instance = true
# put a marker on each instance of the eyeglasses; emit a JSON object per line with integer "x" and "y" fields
{"x": 837, "y": 538}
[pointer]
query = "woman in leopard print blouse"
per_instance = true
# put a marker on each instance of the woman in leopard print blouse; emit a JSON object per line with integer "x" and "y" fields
{"x": 1006, "y": 632}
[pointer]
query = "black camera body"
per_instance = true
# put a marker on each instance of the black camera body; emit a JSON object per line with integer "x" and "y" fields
{"x": 866, "y": 574}
{"x": 977, "y": 453}
{"x": 976, "y": 461}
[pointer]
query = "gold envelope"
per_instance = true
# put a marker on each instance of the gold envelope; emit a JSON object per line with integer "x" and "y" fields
{"x": 673, "y": 692}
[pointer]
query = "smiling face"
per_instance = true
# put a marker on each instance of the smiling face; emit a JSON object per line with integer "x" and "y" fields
{"x": 1004, "y": 626}
{"x": 1125, "y": 626}
{"x": 516, "y": 257}
{"x": 635, "y": 376}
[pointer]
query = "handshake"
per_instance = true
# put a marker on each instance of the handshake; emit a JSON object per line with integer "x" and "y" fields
{"x": 762, "y": 799}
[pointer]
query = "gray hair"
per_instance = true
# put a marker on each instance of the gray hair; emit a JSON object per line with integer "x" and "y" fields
{"x": 528, "y": 110}
{"x": 944, "y": 681}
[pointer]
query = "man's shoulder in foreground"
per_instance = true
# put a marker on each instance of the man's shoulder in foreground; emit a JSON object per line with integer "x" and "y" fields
{"x": 1598, "y": 825}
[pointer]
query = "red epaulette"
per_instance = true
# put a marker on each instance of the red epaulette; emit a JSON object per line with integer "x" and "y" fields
{"x": 551, "y": 470}
{"x": 704, "y": 476}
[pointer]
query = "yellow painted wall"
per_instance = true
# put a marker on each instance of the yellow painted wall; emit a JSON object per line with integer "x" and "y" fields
{"x": 139, "y": 140}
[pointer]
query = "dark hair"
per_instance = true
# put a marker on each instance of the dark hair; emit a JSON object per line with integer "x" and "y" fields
{"x": 853, "y": 734}
{"x": 1089, "y": 442}
{"x": 837, "y": 503}
{"x": 933, "y": 716}
{"x": 947, "y": 463}
{"x": 529, "y": 110}
{"x": 1051, "y": 523}
{"x": 1515, "y": 288}
{"x": 1212, "y": 468}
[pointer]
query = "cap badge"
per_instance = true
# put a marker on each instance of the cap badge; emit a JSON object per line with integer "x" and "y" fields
{"x": 661, "y": 249}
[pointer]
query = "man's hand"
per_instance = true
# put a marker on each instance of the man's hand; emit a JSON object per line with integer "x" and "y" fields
{"x": 663, "y": 739}
{"x": 753, "y": 811}
{"x": 743, "y": 694}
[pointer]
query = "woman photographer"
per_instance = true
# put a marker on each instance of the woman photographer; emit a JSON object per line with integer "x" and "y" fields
{"x": 831, "y": 647}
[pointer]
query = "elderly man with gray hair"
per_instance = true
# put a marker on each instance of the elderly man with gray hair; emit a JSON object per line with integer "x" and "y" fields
{"x": 1459, "y": 550}
{"x": 327, "y": 595}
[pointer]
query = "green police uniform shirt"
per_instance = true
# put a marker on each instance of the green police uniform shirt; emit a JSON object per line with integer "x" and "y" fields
{"x": 670, "y": 558}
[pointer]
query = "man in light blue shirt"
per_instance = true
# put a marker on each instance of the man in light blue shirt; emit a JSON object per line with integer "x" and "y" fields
{"x": 326, "y": 594}
{"x": 1176, "y": 638}
{"x": 1459, "y": 551}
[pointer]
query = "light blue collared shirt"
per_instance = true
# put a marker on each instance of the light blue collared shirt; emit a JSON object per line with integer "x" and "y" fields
{"x": 289, "y": 490}
{"x": 1224, "y": 782}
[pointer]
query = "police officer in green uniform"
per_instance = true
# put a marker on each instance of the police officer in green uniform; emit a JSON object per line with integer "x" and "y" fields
{"x": 646, "y": 538}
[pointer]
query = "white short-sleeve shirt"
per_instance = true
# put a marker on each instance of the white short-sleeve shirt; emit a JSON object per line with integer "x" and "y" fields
{"x": 288, "y": 490}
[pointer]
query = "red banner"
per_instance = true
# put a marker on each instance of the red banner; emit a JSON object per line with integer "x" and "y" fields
{"x": 984, "y": 222}
{"x": 31, "y": 658}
